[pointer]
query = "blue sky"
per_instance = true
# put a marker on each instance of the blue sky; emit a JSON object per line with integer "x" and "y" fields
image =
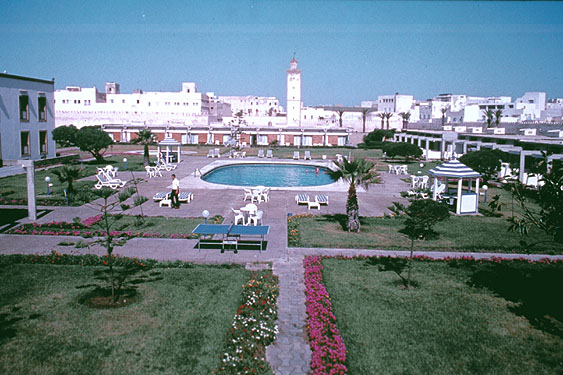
{"x": 348, "y": 50}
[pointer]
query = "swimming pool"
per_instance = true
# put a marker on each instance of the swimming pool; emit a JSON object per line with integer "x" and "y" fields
{"x": 272, "y": 175}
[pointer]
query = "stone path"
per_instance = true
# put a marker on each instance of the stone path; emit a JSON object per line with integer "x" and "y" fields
{"x": 290, "y": 353}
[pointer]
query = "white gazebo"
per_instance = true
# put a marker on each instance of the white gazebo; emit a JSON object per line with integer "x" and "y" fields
{"x": 466, "y": 200}
{"x": 168, "y": 143}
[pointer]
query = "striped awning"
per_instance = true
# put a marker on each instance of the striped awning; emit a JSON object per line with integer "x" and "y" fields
{"x": 453, "y": 168}
{"x": 169, "y": 142}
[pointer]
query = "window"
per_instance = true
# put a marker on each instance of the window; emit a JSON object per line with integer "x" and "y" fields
{"x": 24, "y": 143}
{"x": 307, "y": 140}
{"x": 43, "y": 142}
{"x": 24, "y": 107}
{"x": 297, "y": 140}
{"x": 42, "y": 105}
{"x": 341, "y": 141}
{"x": 122, "y": 100}
{"x": 138, "y": 101}
{"x": 262, "y": 140}
{"x": 111, "y": 100}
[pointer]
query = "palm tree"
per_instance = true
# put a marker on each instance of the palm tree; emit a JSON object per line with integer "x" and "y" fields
{"x": 444, "y": 110}
{"x": 340, "y": 113}
{"x": 498, "y": 115}
{"x": 382, "y": 116}
{"x": 489, "y": 113}
{"x": 357, "y": 172}
{"x": 388, "y": 115}
{"x": 68, "y": 175}
{"x": 364, "y": 117}
{"x": 406, "y": 116}
{"x": 146, "y": 138}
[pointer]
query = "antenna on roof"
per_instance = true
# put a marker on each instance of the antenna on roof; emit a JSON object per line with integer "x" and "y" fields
{"x": 294, "y": 55}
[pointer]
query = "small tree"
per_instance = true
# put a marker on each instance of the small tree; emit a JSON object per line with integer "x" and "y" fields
{"x": 444, "y": 111}
{"x": 356, "y": 172}
{"x": 487, "y": 162}
{"x": 364, "y": 118}
{"x": 382, "y": 116}
{"x": 93, "y": 140}
{"x": 421, "y": 216}
{"x": 402, "y": 149}
{"x": 340, "y": 114}
{"x": 498, "y": 115}
{"x": 388, "y": 116}
{"x": 374, "y": 139}
{"x": 110, "y": 217}
{"x": 406, "y": 117}
{"x": 65, "y": 136}
{"x": 549, "y": 216}
{"x": 489, "y": 115}
{"x": 146, "y": 138}
{"x": 68, "y": 175}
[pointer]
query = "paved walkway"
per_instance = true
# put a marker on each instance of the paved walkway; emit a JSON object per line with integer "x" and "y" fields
{"x": 290, "y": 353}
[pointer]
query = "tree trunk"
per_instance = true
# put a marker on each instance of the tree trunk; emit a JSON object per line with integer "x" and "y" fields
{"x": 352, "y": 208}
{"x": 410, "y": 265}
{"x": 146, "y": 155}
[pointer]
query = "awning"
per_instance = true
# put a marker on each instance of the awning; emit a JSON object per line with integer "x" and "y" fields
{"x": 453, "y": 168}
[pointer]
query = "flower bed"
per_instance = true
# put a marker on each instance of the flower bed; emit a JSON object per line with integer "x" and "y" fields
{"x": 293, "y": 228}
{"x": 329, "y": 351}
{"x": 77, "y": 228}
{"x": 253, "y": 328}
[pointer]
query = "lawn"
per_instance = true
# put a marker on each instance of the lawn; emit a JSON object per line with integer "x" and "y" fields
{"x": 472, "y": 319}
{"x": 458, "y": 233}
{"x": 178, "y": 326}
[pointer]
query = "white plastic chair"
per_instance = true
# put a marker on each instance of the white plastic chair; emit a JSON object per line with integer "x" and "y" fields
{"x": 296, "y": 155}
{"x": 238, "y": 216}
{"x": 256, "y": 218}
{"x": 260, "y": 153}
{"x": 307, "y": 155}
{"x": 247, "y": 194}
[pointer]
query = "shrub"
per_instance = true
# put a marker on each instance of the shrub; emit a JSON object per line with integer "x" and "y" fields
{"x": 402, "y": 149}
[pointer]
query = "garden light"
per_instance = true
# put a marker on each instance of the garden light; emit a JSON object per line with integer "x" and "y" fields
{"x": 205, "y": 215}
{"x": 125, "y": 163}
{"x": 47, "y": 180}
{"x": 485, "y": 188}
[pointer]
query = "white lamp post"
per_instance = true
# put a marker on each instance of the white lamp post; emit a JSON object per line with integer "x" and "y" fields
{"x": 47, "y": 180}
{"x": 205, "y": 215}
{"x": 421, "y": 165}
{"x": 125, "y": 162}
{"x": 485, "y": 188}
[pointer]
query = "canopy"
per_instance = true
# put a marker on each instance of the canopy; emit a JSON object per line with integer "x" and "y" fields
{"x": 453, "y": 168}
{"x": 169, "y": 142}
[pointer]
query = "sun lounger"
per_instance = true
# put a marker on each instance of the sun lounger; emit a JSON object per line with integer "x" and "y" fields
{"x": 105, "y": 181}
{"x": 307, "y": 155}
{"x": 269, "y": 154}
{"x": 211, "y": 153}
{"x": 296, "y": 155}
{"x": 185, "y": 196}
{"x": 260, "y": 153}
{"x": 161, "y": 195}
{"x": 322, "y": 199}
{"x": 301, "y": 199}
{"x": 314, "y": 204}
{"x": 217, "y": 153}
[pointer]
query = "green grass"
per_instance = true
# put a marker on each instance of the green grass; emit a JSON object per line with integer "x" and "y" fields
{"x": 468, "y": 320}
{"x": 177, "y": 327}
{"x": 159, "y": 224}
{"x": 458, "y": 233}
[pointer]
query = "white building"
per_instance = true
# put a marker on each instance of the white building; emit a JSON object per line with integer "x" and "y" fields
{"x": 253, "y": 106}
{"x": 26, "y": 118}
{"x": 86, "y": 106}
{"x": 293, "y": 94}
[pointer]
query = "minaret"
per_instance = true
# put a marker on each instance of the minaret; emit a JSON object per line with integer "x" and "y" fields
{"x": 293, "y": 94}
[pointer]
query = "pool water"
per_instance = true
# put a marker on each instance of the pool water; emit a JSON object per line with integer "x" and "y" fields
{"x": 272, "y": 175}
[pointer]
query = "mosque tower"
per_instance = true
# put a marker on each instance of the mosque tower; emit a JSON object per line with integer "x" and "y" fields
{"x": 293, "y": 94}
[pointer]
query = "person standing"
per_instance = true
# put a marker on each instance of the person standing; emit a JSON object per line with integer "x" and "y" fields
{"x": 175, "y": 192}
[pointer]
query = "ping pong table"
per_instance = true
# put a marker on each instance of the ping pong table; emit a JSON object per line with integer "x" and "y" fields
{"x": 231, "y": 234}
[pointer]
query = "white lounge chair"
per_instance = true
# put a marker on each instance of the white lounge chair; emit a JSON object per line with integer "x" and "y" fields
{"x": 105, "y": 181}
{"x": 322, "y": 199}
{"x": 296, "y": 155}
{"x": 217, "y": 153}
{"x": 307, "y": 155}
{"x": 260, "y": 153}
{"x": 269, "y": 154}
{"x": 302, "y": 199}
{"x": 185, "y": 196}
{"x": 152, "y": 171}
{"x": 161, "y": 195}
{"x": 211, "y": 153}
